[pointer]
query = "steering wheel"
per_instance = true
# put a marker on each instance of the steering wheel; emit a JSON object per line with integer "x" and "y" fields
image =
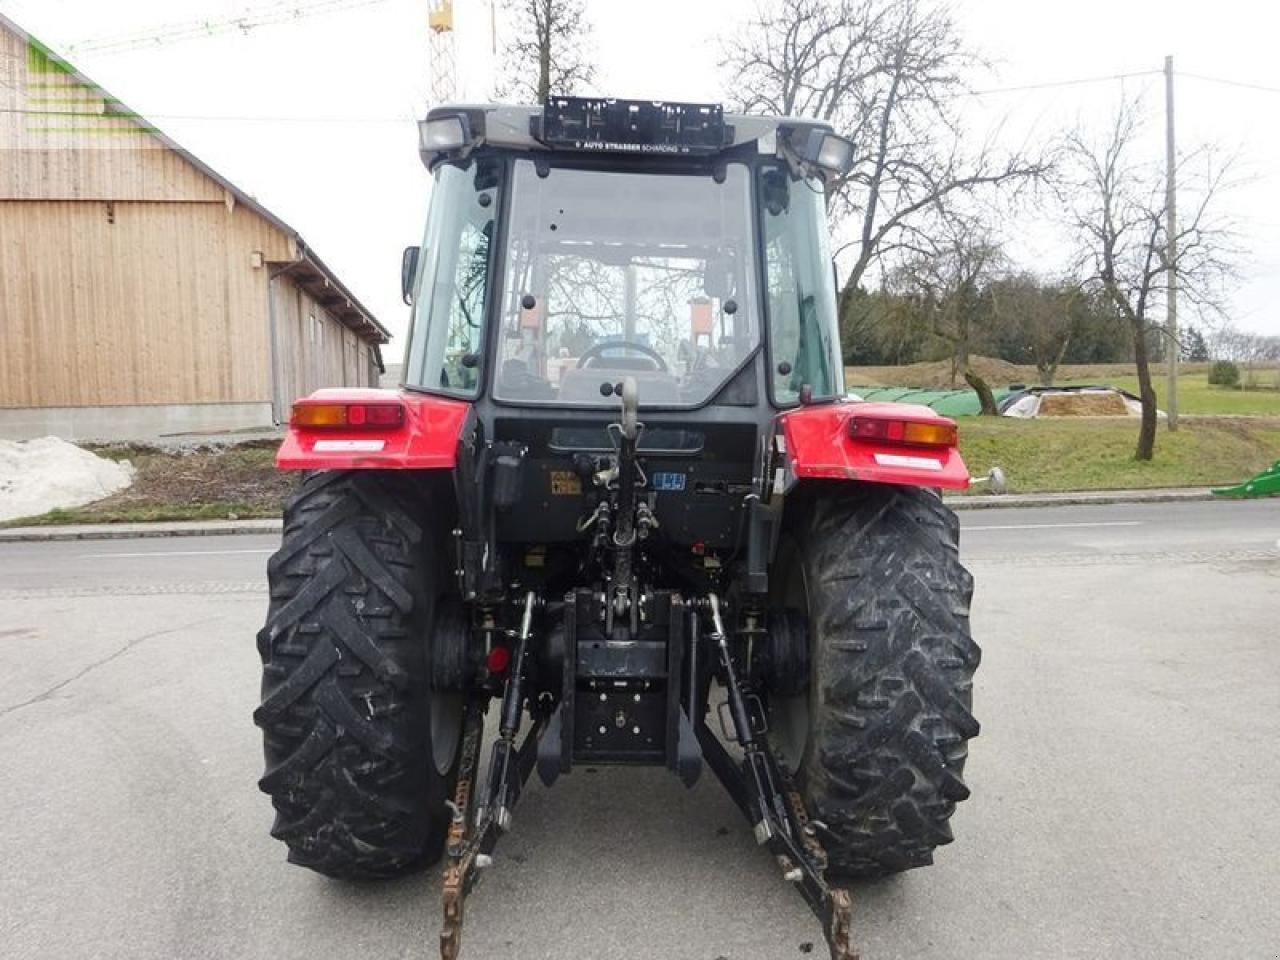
{"x": 597, "y": 349}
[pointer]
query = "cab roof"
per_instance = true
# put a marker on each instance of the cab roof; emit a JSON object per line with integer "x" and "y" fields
{"x": 683, "y": 129}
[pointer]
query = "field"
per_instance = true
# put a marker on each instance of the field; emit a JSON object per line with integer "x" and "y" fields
{"x": 1195, "y": 396}
{"x": 1097, "y": 453}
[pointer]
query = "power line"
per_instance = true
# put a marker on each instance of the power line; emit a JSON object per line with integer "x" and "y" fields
{"x": 274, "y": 14}
{"x": 1230, "y": 83}
{"x": 1079, "y": 81}
{"x": 100, "y": 115}
{"x": 372, "y": 119}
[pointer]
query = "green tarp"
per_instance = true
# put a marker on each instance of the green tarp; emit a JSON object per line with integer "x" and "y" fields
{"x": 949, "y": 403}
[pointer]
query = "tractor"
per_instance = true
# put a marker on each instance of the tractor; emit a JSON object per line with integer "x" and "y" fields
{"x": 622, "y": 499}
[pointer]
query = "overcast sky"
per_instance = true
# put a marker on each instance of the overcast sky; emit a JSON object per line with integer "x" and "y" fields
{"x": 315, "y": 118}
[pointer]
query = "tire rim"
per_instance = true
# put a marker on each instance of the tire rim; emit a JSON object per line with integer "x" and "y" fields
{"x": 446, "y": 729}
{"x": 789, "y": 722}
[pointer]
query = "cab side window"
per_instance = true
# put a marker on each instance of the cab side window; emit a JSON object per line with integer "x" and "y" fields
{"x": 446, "y": 343}
{"x": 801, "y": 295}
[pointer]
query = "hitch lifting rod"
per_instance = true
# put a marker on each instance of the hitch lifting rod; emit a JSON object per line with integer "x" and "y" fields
{"x": 513, "y": 696}
{"x": 785, "y": 829}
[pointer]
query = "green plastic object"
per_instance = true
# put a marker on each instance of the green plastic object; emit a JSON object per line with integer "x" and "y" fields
{"x": 949, "y": 403}
{"x": 1265, "y": 484}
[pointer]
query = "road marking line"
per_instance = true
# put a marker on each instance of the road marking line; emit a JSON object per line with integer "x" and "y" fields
{"x": 1057, "y": 526}
{"x": 170, "y": 553}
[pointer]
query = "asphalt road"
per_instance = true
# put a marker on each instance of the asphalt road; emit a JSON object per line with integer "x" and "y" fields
{"x": 1126, "y": 785}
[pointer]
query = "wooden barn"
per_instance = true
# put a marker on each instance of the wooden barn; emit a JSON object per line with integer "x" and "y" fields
{"x": 142, "y": 294}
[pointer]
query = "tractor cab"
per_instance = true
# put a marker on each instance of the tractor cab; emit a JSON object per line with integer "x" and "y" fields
{"x": 572, "y": 249}
{"x": 591, "y": 240}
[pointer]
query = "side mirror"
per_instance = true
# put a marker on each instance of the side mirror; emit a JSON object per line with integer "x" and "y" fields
{"x": 408, "y": 270}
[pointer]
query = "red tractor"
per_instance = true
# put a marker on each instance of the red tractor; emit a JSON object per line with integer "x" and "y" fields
{"x": 622, "y": 494}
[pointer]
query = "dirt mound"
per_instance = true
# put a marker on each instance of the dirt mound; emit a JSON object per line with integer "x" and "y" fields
{"x": 936, "y": 374}
{"x": 1099, "y": 404}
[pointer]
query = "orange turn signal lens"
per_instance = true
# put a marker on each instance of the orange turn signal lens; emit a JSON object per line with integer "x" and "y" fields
{"x": 371, "y": 416}
{"x": 916, "y": 432}
{"x": 929, "y": 434}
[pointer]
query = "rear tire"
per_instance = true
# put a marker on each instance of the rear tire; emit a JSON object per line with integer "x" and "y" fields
{"x": 878, "y": 742}
{"x": 357, "y": 781}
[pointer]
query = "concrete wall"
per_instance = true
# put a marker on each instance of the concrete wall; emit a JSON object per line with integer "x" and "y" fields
{"x": 141, "y": 422}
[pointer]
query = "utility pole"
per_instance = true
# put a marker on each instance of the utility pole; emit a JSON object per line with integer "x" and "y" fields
{"x": 1171, "y": 254}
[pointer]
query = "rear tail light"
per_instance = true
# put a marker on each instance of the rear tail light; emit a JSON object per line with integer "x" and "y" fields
{"x": 367, "y": 416}
{"x": 910, "y": 432}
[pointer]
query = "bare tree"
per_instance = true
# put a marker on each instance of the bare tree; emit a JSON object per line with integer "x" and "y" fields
{"x": 948, "y": 281}
{"x": 886, "y": 73}
{"x": 548, "y": 49}
{"x": 1118, "y": 216}
{"x": 1040, "y": 316}
{"x": 1239, "y": 346}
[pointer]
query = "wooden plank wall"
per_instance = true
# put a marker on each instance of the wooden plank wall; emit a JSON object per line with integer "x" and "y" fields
{"x": 128, "y": 303}
{"x": 59, "y": 139}
{"x": 129, "y": 276}
{"x": 315, "y": 349}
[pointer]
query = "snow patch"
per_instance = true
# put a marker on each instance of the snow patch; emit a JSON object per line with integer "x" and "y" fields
{"x": 37, "y": 476}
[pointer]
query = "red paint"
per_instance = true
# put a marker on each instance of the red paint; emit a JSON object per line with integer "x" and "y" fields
{"x": 426, "y": 440}
{"x": 499, "y": 658}
{"x": 820, "y": 448}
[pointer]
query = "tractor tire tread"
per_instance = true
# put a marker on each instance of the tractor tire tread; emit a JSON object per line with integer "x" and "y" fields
{"x": 343, "y": 706}
{"x": 895, "y": 664}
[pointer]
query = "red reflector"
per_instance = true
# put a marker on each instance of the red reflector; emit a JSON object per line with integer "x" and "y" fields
{"x": 499, "y": 658}
{"x": 922, "y": 433}
{"x": 384, "y": 414}
{"x": 339, "y": 415}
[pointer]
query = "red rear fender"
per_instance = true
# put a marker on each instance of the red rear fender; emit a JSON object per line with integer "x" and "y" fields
{"x": 424, "y": 438}
{"x": 820, "y": 446}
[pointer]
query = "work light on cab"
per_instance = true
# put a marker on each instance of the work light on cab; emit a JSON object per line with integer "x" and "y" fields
{"x": 442, "y": 134}
{"x": 833, "y": 154}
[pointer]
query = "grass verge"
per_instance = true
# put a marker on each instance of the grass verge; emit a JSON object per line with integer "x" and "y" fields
{"x": 231, "y": 483}
{"x": 1097, "y": 453}
{"x": 1037, "y": 456}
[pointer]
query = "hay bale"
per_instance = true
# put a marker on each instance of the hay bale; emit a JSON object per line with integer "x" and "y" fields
{"x": 1094, "y": 403}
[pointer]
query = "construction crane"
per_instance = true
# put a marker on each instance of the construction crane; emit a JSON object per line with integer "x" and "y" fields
{"x": 469, "y": 24}
{"x": 271, "y": 14}
{"x": 444, "y": 54}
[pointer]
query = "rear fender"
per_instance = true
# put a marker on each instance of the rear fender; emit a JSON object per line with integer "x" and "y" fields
{"x": 817, "y": 445}
{"x": 427, "y": 439}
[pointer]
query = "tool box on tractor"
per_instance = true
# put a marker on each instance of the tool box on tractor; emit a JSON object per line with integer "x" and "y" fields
{"x": 622, "y": 498}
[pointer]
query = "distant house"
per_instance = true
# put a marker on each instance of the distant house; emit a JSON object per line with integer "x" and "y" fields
{"x": 142, "y": 294}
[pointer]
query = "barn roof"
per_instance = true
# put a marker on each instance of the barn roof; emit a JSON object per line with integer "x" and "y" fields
{"x": 308, "y": 270}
